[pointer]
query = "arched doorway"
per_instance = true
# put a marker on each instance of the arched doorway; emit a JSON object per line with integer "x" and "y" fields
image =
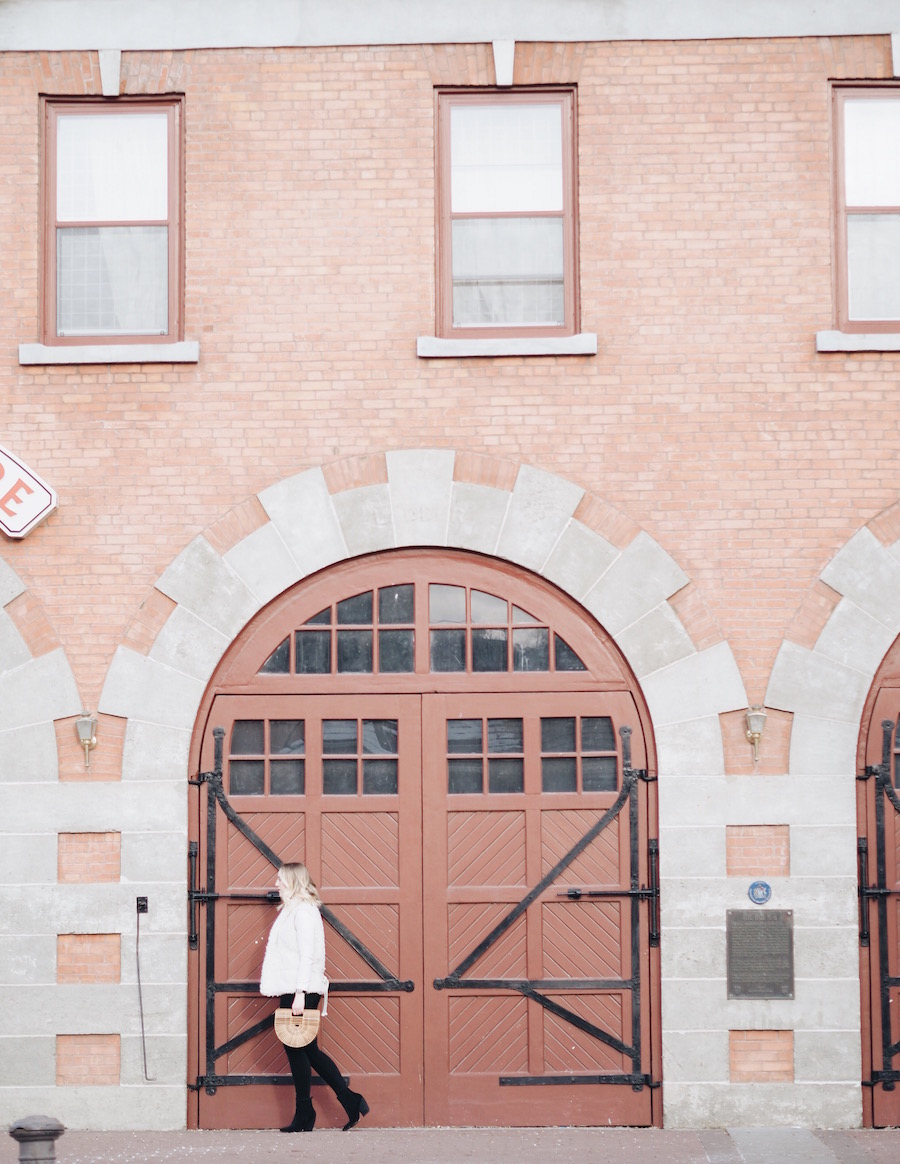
{"x": 878, "y": 848}
{"x": 464, "y": 761}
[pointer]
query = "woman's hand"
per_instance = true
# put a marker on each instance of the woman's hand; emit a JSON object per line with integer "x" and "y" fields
{"x": 299, "y": 1003}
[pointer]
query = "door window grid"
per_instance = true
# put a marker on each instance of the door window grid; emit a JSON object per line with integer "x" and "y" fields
{"x": 496, "y": 742}
{"x": 263, "y": 748}
{"x": 469, "y": 630}
{"x": 343, "y": 757}
{"x": 368, "y": 633}
{"x": 578, "y": 754}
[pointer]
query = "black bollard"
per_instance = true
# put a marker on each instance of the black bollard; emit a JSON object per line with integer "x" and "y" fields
{"x": 37, "y": 1136}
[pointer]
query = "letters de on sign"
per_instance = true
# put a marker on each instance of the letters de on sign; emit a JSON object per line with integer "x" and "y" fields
{"x": 25, "y": 500}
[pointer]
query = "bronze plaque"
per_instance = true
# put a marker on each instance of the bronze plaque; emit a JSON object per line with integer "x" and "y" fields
{"x": 760, "y": 953}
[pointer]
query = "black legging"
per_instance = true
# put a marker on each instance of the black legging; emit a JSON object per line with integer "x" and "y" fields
{"x": 305, "y": 1060}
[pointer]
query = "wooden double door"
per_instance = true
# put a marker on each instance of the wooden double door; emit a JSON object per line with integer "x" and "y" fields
{"x": 488, "y": 865}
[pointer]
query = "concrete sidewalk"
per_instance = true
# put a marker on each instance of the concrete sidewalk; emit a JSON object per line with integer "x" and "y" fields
{"x": 477, "y": 1145}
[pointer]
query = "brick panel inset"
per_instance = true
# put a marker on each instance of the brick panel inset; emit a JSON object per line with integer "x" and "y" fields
{"x": 761, "y": 1056}
{"x": 758, "y": 850}
{"x": 105, "y": 758}
{"x": 88, "y": 857}
{"x": 88, "y": 958}
{"x": 87, "y": 1060}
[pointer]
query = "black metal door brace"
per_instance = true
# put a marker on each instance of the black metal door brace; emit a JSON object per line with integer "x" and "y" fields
{"x": 636, "y": 894}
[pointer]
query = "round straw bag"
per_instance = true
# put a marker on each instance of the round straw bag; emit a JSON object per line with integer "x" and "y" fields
{"x": 296, "y": 1030}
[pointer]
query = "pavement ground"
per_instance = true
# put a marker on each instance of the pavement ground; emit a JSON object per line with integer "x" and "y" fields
{"x": 481, "y": 1146}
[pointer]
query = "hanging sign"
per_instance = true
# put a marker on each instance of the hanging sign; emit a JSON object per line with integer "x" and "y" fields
{"x": 25, "y": 500}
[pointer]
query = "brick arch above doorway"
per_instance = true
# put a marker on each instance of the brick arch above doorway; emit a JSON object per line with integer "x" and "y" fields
{"x": 434, "y": 497}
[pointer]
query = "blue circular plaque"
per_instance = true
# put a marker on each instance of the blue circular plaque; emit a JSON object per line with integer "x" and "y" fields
{"x": 759, "y": 892}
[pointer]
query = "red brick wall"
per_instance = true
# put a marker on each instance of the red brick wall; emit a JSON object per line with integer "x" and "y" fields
{"x": 706, "y": 419}
{"x": 87, "y": 1060}
{"x": 761, "y": 1056}
{"x": 758, "y": 850}
{"x": 88, "y": 958}
{"x": 88, "y": 857}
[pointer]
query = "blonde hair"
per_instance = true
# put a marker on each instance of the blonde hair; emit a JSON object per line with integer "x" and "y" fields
{"x": 298, "y": 885}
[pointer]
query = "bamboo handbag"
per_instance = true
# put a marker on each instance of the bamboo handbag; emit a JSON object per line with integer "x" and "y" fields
{"x": 296, "y": 1030}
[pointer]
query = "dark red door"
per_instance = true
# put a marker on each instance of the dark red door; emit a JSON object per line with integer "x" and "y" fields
{"x": 879, "y": 867}
{"x": 334, "y": 782}
{"x": 538, "y": 935}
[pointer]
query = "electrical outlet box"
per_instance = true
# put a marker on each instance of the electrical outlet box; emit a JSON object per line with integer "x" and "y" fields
{"x": 142, "y": 905}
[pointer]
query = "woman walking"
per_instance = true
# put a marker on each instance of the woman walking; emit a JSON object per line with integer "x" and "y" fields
{"x": 294, "y": 969}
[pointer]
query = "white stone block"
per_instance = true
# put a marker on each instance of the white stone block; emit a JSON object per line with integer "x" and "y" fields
{"x": 11, "y": 585}
{"x": 13, "y": 649}
{"x": 579, "y": 559}
{"x": 539, "y": 511}
{"x": 706, "y": 683}
{"x": 263, "y": 563}
{"x": 737, "y": 1106}
{"x": 189, "y": 645}
{"x": 156, "y": 1107}
{"x": 823, "y": 747}
{"x": 149, "y": 857}
{"x": 809, "y": 683}
{"x": 855, "y": 639}
{"x": 692, "y": 748}
{"x": 477, "y": 513}
{"x": 638, "y": 580}
{"x": 202, "y": 581}
{"x": 827, "y": 1056}
{"x": 365, "y": 518}
{"x": 694, "y": 953}
{"x": 139, "y": 686}
{"x": 693, "y": 851}
{"x": 694, "y": 1004}
{"x": 27, "y": 959}
{"x": 166, "y": 1060}
{"x": 420, "y": 482}
{"x": 302, "y": 511}
{"x": 691, "y": 902}
{"x": 156, "y": 752}
{"x": 655, "y": 641}
{"x": 823, "y": 850}
{"x": 695, "y": 1056}
{"x": 864, "y": 571}
{"x": 25, "y": 1062}
{"x": 42, "y": 689}
{"x": 826, "y": 951}
{"x": 29, "y": 754}
{"x": 25, "y": 857}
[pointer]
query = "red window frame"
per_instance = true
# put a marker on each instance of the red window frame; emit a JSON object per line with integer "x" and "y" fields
{"x": 53, "y": 110}
{"x": 840, "y": 95}
{"x": 445, "y": 102}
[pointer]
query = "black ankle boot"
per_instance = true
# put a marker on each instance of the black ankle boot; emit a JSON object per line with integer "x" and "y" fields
{"x": 305, "y": 1118}
{"x": 354, "y": 1105}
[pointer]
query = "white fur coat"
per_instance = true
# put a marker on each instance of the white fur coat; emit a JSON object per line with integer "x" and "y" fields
{"x": 295, "y": 952}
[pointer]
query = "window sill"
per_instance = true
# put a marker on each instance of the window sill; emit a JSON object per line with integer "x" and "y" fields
{"x": 848, "y": 341}
{"x": 429, "y": 347}
{"x": 185, "y": 352}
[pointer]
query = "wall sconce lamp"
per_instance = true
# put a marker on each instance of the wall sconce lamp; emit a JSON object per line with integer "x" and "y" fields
{"x": 756, "y": 722}
{"x": 86, "y": 730}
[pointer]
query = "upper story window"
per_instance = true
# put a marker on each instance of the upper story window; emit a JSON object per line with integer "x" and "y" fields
{"x": 112, "y": 231}
{"x": 867, "y": 122}
{"x": 507, "y": 232}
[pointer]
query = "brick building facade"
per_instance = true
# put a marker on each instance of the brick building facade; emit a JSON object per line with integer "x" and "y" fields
{"x": 698, "y": 462}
